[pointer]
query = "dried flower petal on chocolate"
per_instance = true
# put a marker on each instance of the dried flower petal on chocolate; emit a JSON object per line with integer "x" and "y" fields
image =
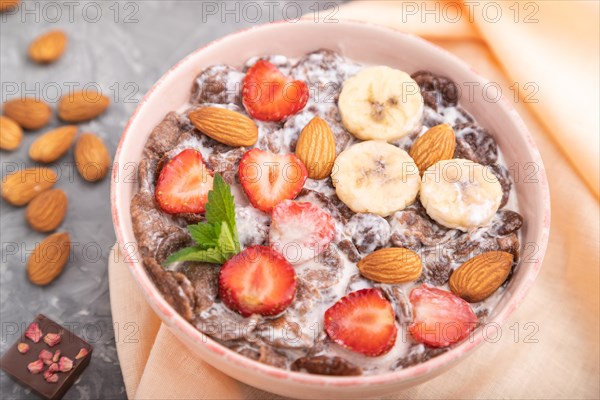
{"x": 82, "y": 353}
{"x": 65, "y": 364}
{"x": 50, "y": 377}
{"x": 56, "y": 356}
{"x": 45, "y": 356}
{"x": 35, "y": 367}
{"x": 33, "y": 333}
{"x": 52, "y": 339}
{"x": 54, "y": 367}
{"x": 23, "y": 348}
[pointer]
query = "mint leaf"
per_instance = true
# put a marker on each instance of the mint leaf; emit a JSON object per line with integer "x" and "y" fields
{"x": 204, "y": 234}
{"x": 212, "y": 256}
{"x": 220, "y": 206}
{"x": 216, "y": 239}
{"x": 227, "y": 241}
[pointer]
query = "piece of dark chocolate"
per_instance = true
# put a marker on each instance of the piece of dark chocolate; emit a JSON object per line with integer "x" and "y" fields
{"x": 47, "y": 358}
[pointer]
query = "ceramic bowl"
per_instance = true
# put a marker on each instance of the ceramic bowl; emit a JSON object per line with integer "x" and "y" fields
{"x": 366, "y": 44}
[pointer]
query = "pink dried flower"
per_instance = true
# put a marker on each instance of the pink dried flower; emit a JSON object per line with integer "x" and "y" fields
{"x": 56, "y": 356}
{"x": 52, "y": 339}
{"x": 65, "y": 364}
{"x": 33, "y": 332}
{"x": 82, "y": 353}
{"x": 53, "y": 367}
{"x": 35, "y": 367}
{"x": 23, "y": 348}
{"x": 50, "y": 377}
{"x": 45, "y": 356}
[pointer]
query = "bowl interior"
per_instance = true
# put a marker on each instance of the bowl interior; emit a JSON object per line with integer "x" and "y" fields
{"x": 366, "y": 44}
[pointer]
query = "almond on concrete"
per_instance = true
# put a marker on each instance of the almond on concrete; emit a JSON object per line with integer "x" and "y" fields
{"x": 6, "y": 5}
{"x": 435, "y": 145}
{"x": 48, "y": 47}
{"x": 391, "y": 265}
{"x": 91, "y": 157}
{"x": 30, "y": 113}
{"x": 11, "y": 134}
{"x": 47, "y": 210}
{"x": 480, "y": 276}
{"x": 82, "y": 105}
{"x": 225, "y": 126}
{"x": 49, "y": 258}
{"x": 316, "y": 148}
{"x": 20, "y": 187}
{"x": 52, "y": 145}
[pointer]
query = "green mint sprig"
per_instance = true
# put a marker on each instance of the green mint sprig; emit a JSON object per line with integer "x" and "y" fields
{"x": 217, "y": 238}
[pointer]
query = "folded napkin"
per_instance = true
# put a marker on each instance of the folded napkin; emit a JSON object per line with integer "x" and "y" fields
{"x": 549, "y": 348}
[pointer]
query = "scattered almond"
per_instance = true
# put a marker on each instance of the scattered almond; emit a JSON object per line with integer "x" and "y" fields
{"x": 435, "y": 145}
{"x": 47, "y": 211}
{"x": 52, "y": 145}
{"x": 391, "y": 265}
{"x": 82, "y": 105}
{"x": 225, "y": 126}
{"x": 28, "y": 112}
{"x": 11, "y": 134}
{"x": 91, "y": 157}
{"x": 316, "y": 148}
{"x": 6, "y": 5}
{"x": 481, "y": 276}
{"x": 49, "y": 258}
{"x": 20, "y": 187}
{"x": 48, "y": 47}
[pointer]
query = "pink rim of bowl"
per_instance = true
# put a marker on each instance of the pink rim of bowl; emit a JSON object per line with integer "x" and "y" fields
{"x": 367, "y": 44}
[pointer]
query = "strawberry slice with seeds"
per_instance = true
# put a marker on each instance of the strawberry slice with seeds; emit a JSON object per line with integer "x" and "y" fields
{"x": 184, "y": 183}
{"x": 268, "y": 178}
{"x": 300, "y": 230}
{"x": 440, "y": 317}
{"x": 268, "y": 95}
{"x": 257, "y": 281}
{"x": 362, "y": 321}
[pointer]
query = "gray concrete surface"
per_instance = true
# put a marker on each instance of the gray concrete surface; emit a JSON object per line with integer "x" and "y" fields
{"x": 123, "y": 48}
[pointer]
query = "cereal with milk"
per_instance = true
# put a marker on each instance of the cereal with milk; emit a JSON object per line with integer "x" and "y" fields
{"x": 297, "y": 338}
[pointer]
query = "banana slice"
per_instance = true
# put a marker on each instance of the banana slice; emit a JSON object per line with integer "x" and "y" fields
{"x": 376, "y": 177}
{"x": 460, "y": 193}
{"x": 381, "y": 103}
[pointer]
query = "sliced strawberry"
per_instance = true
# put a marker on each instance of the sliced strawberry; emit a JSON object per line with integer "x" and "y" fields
{"x": 362, "y": 321}
{"x": 269, "y": 178}
{"x": 300, "y": 230}
{"x": 440, "y": 318}
{"x": 184, "y": 183}
{"x": 257, "y": 281}
{"x": 269, "y": 95}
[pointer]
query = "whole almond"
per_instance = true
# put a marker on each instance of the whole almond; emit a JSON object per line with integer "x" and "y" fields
{"x": 48, "y": 47}
{"x": 47, "y": 210}
{"x": 391, "y": 265}
{"x": 91, "y": 157}
{"x": 225, "y": 126}
{"x": 52, "y": 145}
{"x": 20, "y": 187}
{"x": 28, "y": 112}
{"x": 435, "y": 145}
{"x": 6, "y": 5}
{"x": 49, "y": 258}
{"x": 82, "y": 105}
{"x": 481, "y": 276}
{"x": 316, "y": 148}
{"x": 11, "y": 134}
